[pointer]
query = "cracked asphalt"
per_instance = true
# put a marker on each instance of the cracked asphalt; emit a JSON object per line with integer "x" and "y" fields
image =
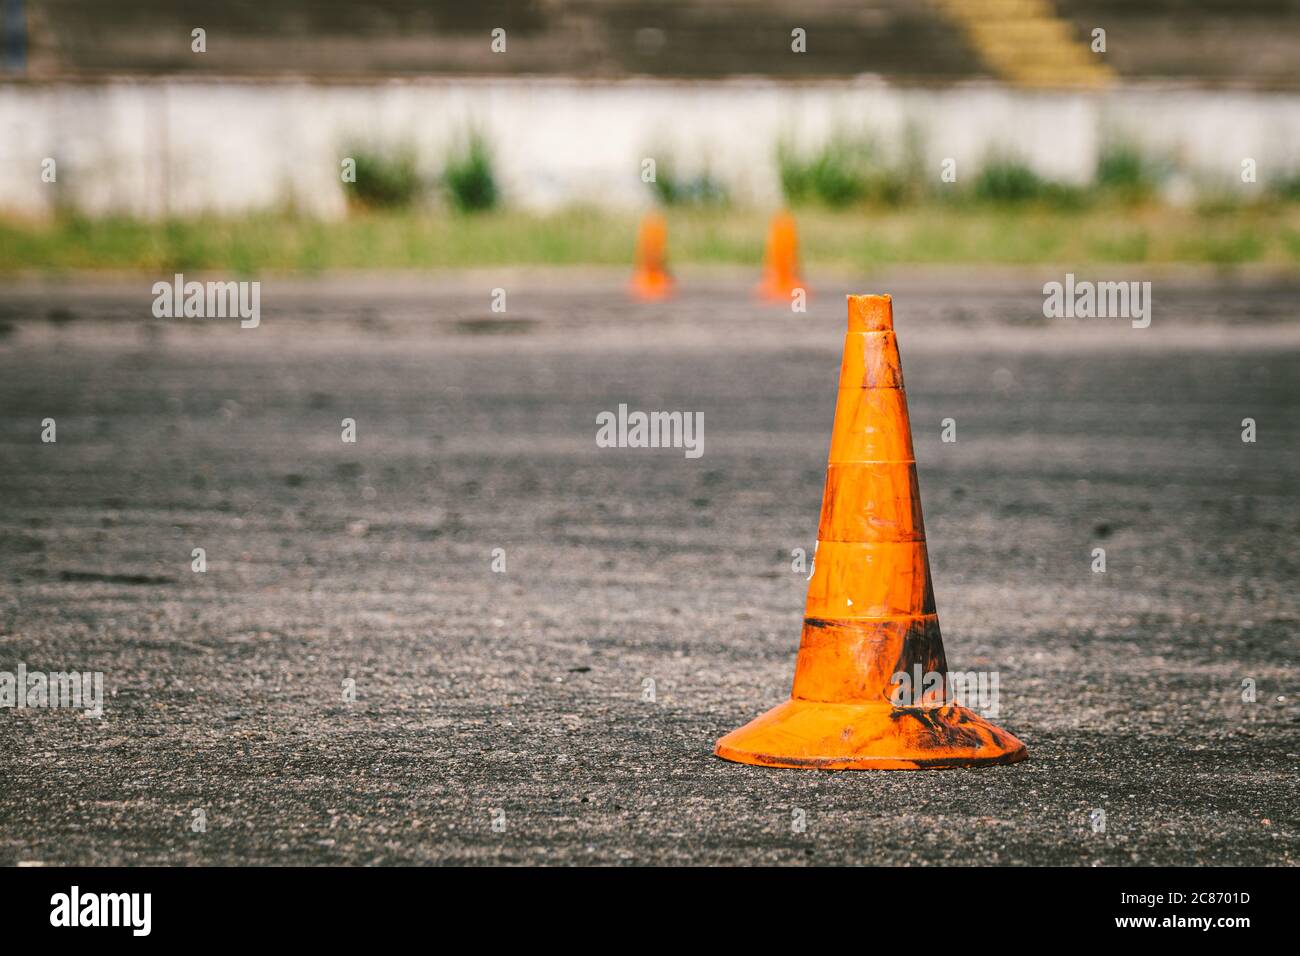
{"x": 563, "y": 710}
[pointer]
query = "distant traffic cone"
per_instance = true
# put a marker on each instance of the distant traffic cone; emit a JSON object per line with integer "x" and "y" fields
{"x": 870, "y": 613}
{"x": 651, "y": 280}
{"x": 781, "y": 261}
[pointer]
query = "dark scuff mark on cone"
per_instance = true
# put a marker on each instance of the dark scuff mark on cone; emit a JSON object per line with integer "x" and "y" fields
{"x": 940, "y": 726}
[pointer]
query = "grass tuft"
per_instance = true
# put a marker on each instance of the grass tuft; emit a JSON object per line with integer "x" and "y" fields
{"x": 844, "y": 171}
{"x": 385, "y": 179}
{"x": 468, "y": 176}
{"x": 1126, "y": 174}
{"x": 673, "y": 189}
{"x": 1008, "y": 181}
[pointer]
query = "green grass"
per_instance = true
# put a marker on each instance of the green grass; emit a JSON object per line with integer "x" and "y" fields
{"x": 852, "y": 170}
{"x": 845, "y": 171}
{"x": 468, "y": 177}
{"x": 1010, "y": 182}
{"x": 1021, "y": 233}
{"x": 385, "y": 180}
{"x": 1126, "y": 174}
{"x": 674, "y": 189}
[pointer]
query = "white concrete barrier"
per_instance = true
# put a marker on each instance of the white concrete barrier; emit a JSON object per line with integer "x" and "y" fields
{"x": 179, "y": 146}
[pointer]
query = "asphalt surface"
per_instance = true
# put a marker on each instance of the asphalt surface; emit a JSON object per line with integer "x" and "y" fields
{"x": 521, "y": 697}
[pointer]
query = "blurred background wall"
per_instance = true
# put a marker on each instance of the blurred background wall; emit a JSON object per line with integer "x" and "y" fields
{"x": 1251, "y": 42}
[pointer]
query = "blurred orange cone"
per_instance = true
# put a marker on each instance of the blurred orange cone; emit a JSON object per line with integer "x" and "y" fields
{"x": 781, "y": 261}
{"x": 651, "y": 280}
{"x": 870, "y": 616}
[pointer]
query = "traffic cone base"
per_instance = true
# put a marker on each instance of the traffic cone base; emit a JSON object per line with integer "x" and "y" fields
{"x": 649, "y": 286}
{"x": 870, "y": 615}
{"x": 778, "y": 290}
{"x": 826, "y": 735}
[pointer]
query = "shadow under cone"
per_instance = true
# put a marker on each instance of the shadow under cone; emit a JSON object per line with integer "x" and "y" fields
{"x": 651, "y": 280}
{"x": 870, "y": 613}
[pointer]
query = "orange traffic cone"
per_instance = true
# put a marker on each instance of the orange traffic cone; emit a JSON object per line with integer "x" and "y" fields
{"x": 870, "y": 614}
{"x": 651, "y": 280}
{"x": 781, "y": 261}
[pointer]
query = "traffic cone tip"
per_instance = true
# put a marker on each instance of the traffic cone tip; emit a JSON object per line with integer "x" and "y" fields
{"x": 871, "y": 313}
